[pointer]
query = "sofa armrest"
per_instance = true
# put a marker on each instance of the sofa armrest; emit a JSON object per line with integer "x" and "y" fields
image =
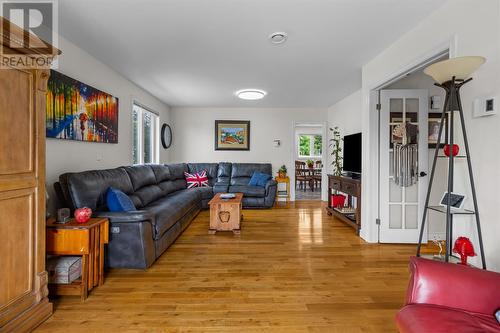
{"x": 126, "y": 217}
{"x": 454, "y": 286}
{"x": 270, "y": 183}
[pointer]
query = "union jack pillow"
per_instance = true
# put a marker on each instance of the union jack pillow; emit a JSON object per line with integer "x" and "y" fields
{"x": 197, "y": 179}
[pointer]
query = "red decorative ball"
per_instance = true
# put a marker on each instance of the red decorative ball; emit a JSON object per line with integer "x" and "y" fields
{"x": 446, "y": 150}
{"x": 82, "y": 215}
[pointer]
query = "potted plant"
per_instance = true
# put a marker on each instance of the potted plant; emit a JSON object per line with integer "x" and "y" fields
{"x": 337, "y": 200}
{"x": 310, "y": 164}
{"x": 282, "y": 171}
{"x": 336, "y": 144}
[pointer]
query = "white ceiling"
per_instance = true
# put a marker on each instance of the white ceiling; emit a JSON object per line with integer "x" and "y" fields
{"x": 199, "y": 52}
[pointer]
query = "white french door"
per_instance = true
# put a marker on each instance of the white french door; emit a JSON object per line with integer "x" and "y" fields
{"x": 402, "y": 208}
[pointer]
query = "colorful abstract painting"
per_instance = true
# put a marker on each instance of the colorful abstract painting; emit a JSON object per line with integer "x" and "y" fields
{"x": 232, "y": 135}
{"x": 76, "y": 111}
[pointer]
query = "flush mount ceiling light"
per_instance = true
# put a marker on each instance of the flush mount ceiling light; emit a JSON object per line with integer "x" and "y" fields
{"x": 251, "y": 94}
{"x": 278, "y": 37}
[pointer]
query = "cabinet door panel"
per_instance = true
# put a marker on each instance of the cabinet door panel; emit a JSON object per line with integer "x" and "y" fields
{"x": 16, "y": 249}
{"x": 16, "y": 122}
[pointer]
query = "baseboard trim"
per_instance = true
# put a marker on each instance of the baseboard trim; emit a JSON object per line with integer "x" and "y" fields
{"x": 31, "y": 318}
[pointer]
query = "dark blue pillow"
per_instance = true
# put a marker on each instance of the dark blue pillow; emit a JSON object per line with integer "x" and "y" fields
{"x": 259, "y": 179}
{"x": 118, "y": 201}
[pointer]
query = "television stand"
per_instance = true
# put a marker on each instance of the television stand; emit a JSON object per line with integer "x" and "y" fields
{"x": 352, "y": 175}
{"x": 351, "y": 214}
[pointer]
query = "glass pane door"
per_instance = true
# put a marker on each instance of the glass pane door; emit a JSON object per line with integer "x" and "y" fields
{"x": 401, "y": 205}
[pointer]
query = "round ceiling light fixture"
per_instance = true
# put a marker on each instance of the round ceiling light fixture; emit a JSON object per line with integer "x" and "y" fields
{"x": 251, "y": 94}
{"x": 278, "y": 37}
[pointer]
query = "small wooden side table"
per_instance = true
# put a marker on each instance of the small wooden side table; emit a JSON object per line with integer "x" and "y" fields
{"x": 283, "y": 194}
{"x": 82, "y": 239}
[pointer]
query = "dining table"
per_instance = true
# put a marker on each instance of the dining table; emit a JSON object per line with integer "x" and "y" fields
{"x": 311, "y": 172}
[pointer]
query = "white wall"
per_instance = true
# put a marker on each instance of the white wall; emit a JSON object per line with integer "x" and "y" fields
{"x": 68, "y": 156}
{"x": 346, "y": 115}
{"x": 469, "y": 28}
{"x": 194, "y": 129}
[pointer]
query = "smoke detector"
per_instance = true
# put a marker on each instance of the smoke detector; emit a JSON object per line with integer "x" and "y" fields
{"x": 278, "y": 37}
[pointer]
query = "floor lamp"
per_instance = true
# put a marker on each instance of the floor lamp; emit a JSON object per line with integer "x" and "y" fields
{"x": 451, "y": 75}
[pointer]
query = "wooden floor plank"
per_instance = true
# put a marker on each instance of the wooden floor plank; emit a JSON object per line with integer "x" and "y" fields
{"x": 292, "y": 269}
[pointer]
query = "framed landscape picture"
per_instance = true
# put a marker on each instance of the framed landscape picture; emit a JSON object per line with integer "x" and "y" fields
{"x": 77, "y": 111}
{"x": 232, "y": 135}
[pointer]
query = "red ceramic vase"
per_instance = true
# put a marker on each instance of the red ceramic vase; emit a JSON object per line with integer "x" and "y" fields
{"x": 446, "y": 150}
{"x": 82, "y": 215}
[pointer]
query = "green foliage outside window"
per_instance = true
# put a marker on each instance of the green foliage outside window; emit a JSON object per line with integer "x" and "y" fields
{"x": 310, "y": 145}
{"x": 318, "y": 144}
{"x": 304, "y": 145}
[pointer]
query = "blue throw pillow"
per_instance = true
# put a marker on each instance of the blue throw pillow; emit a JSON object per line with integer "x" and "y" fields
{"x": 259, "y": 179}
{"x": 118, "y": 201}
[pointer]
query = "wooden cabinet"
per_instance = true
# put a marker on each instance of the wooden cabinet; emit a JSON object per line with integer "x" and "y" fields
{"x": 23, "y": 281}
{"x": 352, "y": 188}
{"x": 81, "y": 239}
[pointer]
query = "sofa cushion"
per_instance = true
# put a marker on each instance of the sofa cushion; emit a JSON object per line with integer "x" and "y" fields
{"x": 211, "y": 168}
{"x": 177, "y": 170}
{"x": 224, "y": 173}
{"x": 204, "y": 192}
{"x": 248, "y": 191}
{"x": 141, "y": 175}
{"x": 118, "y": 201}
{"x": 148, "y": 194}
{"x": 161, "y": 171}
{"x": 170, "y": 186}
{"x": 88, "y": 188}
{"x": 170, "y": 209}
{"x": 197, "y": 179}
{"x": 417, "y": 318}
{"x": 242, "y": 172}
{"x": 259, "y": 179}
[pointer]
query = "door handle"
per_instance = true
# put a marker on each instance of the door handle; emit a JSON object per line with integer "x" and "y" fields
{"x": 423, "y": 174}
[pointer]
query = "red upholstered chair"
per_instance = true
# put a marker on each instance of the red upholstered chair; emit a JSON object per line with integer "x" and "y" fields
{"x": 444, "y": 297}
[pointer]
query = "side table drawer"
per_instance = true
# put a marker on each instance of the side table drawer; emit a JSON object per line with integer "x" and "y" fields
{"x": 67, "y": 241}
{"x": 335, "y": 184}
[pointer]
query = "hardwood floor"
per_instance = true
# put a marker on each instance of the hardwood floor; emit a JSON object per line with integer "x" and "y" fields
{"x": 291, "y": 270}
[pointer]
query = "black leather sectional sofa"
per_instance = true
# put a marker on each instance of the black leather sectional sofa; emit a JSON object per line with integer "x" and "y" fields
{"x": 165, "y": 206}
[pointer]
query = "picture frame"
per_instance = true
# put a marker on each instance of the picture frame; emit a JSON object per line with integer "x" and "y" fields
{"x": 433, "y": 121}
{"x": 232, "y": 135}
{"x": 397, "y": 118}
{"x": 77, "y": 111}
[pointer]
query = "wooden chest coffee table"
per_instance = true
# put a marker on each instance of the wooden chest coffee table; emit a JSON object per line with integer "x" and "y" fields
{"x": 225, "y": 214}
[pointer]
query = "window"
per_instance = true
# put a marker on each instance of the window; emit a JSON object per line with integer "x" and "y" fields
{"x": 146, "y": 135}
{"x": 310, "y": 145}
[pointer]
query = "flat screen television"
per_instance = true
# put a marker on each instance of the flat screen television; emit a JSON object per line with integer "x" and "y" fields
{"x": 352, "y": 154}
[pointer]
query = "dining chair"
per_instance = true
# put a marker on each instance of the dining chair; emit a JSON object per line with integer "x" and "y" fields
{"x": 301, "y": 174}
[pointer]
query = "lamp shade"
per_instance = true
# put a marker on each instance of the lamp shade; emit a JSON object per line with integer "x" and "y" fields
{"x": 461, "y": 68}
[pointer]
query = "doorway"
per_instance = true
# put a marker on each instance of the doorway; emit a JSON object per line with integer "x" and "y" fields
{"x": 308, "y": 160}
{"x": 411, "y": 101}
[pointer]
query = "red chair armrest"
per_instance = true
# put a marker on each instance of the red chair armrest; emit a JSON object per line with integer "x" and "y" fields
{"x": 454, "y": 286}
